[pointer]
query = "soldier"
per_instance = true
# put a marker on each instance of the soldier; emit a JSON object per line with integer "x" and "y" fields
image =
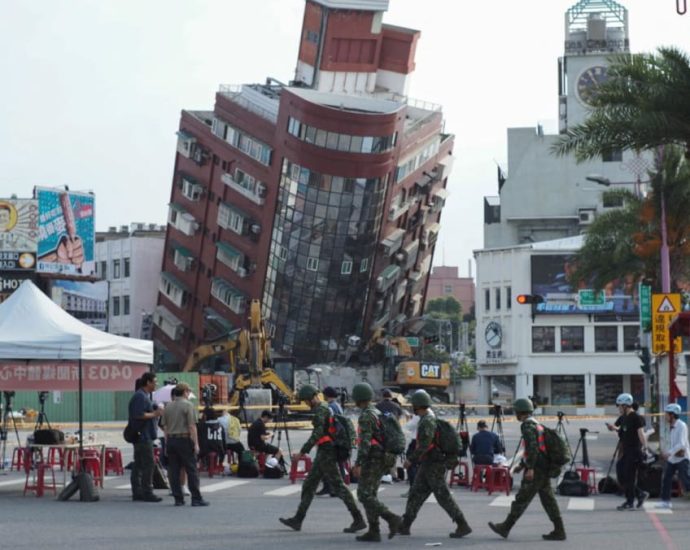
{"x": 430, "y": 477}
{"x": 537, "y": 476}
{"x": 325, "y": 465}
{"x": 372, "y": 463}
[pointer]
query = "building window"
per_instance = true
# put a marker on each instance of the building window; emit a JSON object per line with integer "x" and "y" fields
{"x": 509, "y": 297}
{"x": 487, "y": 299}
{"x": 364, "y": 265}
{"x": 103, "y": 269}
{"x": 346, "y": 267}
{"x": 497, "y": 294}
{"x": 612, "y": 155}
{"x": 630, "y": 337}
{"x": 229, "y": 218}
{"x": 606, "y": 338}
{"x": 572, "y": 339}
{"x": 543, "y": 339}
{"x": 312, "y": 264}
{"x": 125, "y": 305}
{"x": 126, "y": 267}
{"x": 567, "y": 390}
{"x": 116, "y": 269}
{"x": 608, "y": 388}
{"x": 116, "y": 306}
{"x": 448, "y": 289}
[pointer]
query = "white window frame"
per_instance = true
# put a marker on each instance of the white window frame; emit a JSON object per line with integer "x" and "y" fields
{"x": 312, "y": 263}
{"x": 346, "y": 267}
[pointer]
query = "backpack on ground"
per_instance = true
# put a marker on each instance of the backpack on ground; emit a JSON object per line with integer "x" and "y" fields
{"x": 447, "y": 439}
{"x": 342, "y": 430}
{"x": 247, "y": 465}
{"x": 557, "y": 451}
{"x": 391, "y": 433}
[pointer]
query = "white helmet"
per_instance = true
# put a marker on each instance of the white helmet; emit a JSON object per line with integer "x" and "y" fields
{"x": 673, "y": 408}
{"x": 624, "y": 399}
{"x": 272, "y": 462}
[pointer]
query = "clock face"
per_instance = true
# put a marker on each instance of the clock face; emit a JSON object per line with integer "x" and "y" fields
{"x": 589, "y": 81}
{"x": 493, "y": 334}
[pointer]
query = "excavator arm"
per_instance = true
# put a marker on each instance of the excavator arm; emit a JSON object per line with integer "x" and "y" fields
{"x": 231, "y": 347}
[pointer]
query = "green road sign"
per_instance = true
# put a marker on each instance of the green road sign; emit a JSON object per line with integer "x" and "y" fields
{"x": 588, "y": 297}
{"x": 645, "y": 308}
{"x": 413, "y": 341}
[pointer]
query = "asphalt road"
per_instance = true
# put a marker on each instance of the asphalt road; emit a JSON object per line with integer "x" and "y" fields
{"x": 243, "y": 514}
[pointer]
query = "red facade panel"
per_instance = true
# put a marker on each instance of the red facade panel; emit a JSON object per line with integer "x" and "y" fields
{"x": 311, "y": 33}
{"x": 349, "y": 43}
{"x": 398, "y": 50}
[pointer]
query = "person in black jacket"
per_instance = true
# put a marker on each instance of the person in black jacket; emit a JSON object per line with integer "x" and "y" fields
{"x": 485, "y": 444}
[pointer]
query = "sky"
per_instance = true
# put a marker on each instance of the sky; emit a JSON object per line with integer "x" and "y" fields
{"x": 92, "y": 90}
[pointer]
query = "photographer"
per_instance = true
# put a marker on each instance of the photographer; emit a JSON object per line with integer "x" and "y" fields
{"x": 258, "y": 436}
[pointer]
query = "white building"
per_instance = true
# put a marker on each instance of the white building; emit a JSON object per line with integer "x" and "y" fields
{"x": 574, "y": 351}
{"x": 130, "y": 260}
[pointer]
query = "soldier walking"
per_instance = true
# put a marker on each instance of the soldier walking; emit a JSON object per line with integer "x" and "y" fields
{"x": 372, "y": 463}
{"x": 430, "y": 477}
{"x": 325, "y": 465}
{"x": 537, "y": 476}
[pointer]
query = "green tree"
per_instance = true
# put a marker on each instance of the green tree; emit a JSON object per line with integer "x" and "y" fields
{"x": 644, "y": 103}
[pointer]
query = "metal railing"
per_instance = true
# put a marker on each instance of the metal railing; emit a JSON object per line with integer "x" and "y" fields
{"x": 234, "y": 93}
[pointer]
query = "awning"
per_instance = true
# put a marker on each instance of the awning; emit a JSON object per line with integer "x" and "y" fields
{"x": 212, "y": 316}
{"x": 168, "y": 315}
{"x": 224, "y": 285}
{"x": 174, "y": 280}
{"x": 178, "y": 207}
{"x": 225, "y": 248}
{"x": 182, "y": 250}
{"x": 390, "y": 272}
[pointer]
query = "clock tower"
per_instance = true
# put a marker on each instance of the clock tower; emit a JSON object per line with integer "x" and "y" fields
{"x": 594, "y": 31}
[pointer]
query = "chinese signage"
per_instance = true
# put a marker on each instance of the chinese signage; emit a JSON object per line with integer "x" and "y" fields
{"x": 66, "y": 232}
{"x": 645, "y": 308}
{"x": 587, "y": 297}
{"x": 10, "y": 281}
{"x": 18, "y": 234}
{"x": 664, "y": 308}
{"x": 64, "y": 375}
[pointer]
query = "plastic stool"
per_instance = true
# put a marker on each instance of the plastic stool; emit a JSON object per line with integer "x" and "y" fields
{"x": 214, "y": 464}
{"x": 481, "y": 477}
{"x": 55, "y": 455}
{"x": 589, "y": 476}
{"x": 500, "y": 479}
{"x": 300, "y": 473}
{"x": 92, "y": 465}
{"x": 113, "y": 461}
{"x": 17, "y": 459}
{"x": 460, "y": 475}
{"x": 36, "y": 475}
{"x": 261, "y": 460}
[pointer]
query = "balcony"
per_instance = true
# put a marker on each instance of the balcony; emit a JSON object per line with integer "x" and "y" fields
{"x": 387, "y": 278}
{"x": 228, "y": 295}
{"x": 231, "y": 257}
{"x": 257, "y": 195}
{"x": 392, "y": 243}
{"x": 182, "y": 257}
{"x": 431, "y": 234}
{"x": 396, "y": 211}
{"x": 165, "y": 320}
{"x": 174, "y": 289}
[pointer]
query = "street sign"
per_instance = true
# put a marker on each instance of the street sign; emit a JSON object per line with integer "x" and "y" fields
{"x": 413, "y": 341}
{"x": 645, "y": 308}
{"x": 664, "y": 308}
{"x": 588, "y": 297}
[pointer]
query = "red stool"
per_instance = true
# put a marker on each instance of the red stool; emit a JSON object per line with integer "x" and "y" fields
{"x": 261, "y": 461}
{"x": 17, "y": 459}
{"x": 500, "y": 479}
{"x": 36, "y": 474}
{"x": 215, "y": 465}
{"x": 481, "y": 477}
{"x": 55, "y": 455}
{"x": 92, "y": 465}
{"x": 69, "y": 459}
{"x": 460, "y": 475}
{"x": 300, "y": 473}
{"x": 589, "y": 476}
{"x": 113, "y": 461}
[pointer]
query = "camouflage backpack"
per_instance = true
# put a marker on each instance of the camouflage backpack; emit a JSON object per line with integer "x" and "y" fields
{"x": 557, "y": 452}
{"x": 391, "y": 433}
{"x": 342, "y": 430}
{"x": 447, "y": 439}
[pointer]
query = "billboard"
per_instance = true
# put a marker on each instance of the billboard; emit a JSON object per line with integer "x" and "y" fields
{"x": 83, "y": 300}
{"x": 18, "y": 234}
{"x": 66, "y": 232}
{"x": 10, "y": 281}
{"x": 551, "y": 279}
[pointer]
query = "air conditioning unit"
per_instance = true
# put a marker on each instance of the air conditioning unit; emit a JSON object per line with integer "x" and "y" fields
{"x": 400, "y": 256}
{"x": 242, "y": 272}
{"x": 261, "y": 191}
{"x": 586, "y": 216}
{"x": 255, "y": 228}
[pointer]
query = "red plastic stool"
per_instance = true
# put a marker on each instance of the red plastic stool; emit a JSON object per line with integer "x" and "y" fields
{"x": 18, "y": 459}
{"x": 460, "y": 475}
{"x": 214, "y": 464}
{"x": 589, "y": 476}
{"x": 55, "y": 455}
{"x": 113, "y": 461}
{"x": 500, "y": 479}
{"x": 481, "y": 477}
{"x": 36, "y": 474}
{"x": 69, "y": 458}
{"x": 92, "y": 465}
{"x": 300, "y": 473}
{"x": 261, "y": 461}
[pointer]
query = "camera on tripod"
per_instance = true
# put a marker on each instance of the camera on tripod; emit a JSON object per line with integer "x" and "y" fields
{"x": 42, "y": 396}
{"x": 207, "y": 393}
{"x": 9, "y": 395}
{"x": 560, "y": 415}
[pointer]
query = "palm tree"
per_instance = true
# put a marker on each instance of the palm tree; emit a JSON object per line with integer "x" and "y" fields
{"x": 644, "y": 103}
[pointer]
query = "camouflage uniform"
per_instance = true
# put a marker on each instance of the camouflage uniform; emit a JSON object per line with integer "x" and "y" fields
{"x": 374, "y": 463}
{"x": 325, "y": 466}
{"x": 430, "y": 478}
{"x": 534, "y": 460}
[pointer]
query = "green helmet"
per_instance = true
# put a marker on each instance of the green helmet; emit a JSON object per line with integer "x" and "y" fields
{"x": 420, "y": 399}
{"x": 306, "y": 392}
{"x": 523, "y": 405}
{"x": 362, "y": 392}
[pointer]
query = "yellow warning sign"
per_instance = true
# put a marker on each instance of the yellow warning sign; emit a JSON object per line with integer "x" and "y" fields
{"x": 664, "y": 308}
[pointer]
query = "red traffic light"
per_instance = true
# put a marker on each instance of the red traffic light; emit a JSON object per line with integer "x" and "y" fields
{"x": 529, "y": 299}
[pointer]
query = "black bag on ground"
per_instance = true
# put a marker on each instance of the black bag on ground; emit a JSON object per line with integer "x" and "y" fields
{"x": 273, "y": 473}
{"x": 608, "y": 485}
{"x": 49, "y": 437}
{"x": 573, "y": 488}
{"x": 247, "y": 466}
{"x": 571, "y": 475}
{"x": 649, "y": 479}
{"x": 160, "y": 481}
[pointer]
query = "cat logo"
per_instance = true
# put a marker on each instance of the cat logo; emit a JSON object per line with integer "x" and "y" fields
{"x": 430, "y": 370}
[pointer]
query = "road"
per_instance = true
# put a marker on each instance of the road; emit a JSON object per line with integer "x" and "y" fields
{"x": 243, "y": 514}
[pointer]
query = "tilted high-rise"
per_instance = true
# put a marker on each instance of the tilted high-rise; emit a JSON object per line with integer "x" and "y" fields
{"x": 322, "y": 198}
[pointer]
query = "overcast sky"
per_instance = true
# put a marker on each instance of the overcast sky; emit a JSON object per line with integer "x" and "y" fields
{"x": 92, "y": 90}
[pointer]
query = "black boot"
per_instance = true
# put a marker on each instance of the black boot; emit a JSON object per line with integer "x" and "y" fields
{"x": 502, "y": 529}
{"x": 358, "y": 524}
{"x": 462, "y": 528}
{"x": 404, "y": 528}
{"x": 370, "y": 536}
{"x": 558, "y": 532}
{"x": 394, "y": 522}
{"x": 294, "y": 522}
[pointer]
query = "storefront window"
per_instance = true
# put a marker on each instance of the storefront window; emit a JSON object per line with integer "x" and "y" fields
{"x": 630, "y": 337}
{"x": 608, "y": 388}
{"x": 606, "y": 338}
{"x": 568, "y": 390}
{"x": 543, "y": 339}
{"x": 572, "y": 339}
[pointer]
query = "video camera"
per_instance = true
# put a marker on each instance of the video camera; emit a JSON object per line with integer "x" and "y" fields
{"x": 42, "y": 396}
{"x": 207, "y": 393}
{"x": 9, "y": 395}
{"x": 560, "y": 415}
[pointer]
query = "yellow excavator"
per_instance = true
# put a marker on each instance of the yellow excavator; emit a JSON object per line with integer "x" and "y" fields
{"x": 249, "y": 355}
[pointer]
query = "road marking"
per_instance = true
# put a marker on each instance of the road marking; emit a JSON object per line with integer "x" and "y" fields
{"x": 11, "y": 482}
{"x": 581, "y": 504}
{"x": 432, "y": 499}
{"x": 503, "y": 500}
{"x": 663, "y": 533}
{"x": 649, "y": 508}
{"x": 284, "y": 491}
{"x": 128, "y": 486}
{"x": 222, "y": 485}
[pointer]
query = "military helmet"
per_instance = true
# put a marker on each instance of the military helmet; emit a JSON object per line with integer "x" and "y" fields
{"x": 420, "y": 399}
{"x": 624, "y": 399}
{"x": 306, "y": 392}
{"x": 362, "y": 392}
{"x": 523, "y": 405}
{"x": 674, "y": 409}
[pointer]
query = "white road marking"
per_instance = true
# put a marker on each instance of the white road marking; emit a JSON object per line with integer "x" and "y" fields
{"x": 212, "y": 488}
{"x": 503, "y": 500}
{"x": 11, "y": 482}
{"x": 128, "y": 486}
{"x": 649, "y": 508}
{"x": 581, "y": 504}
{"x": 284, "y": 491}
{"x": 432, "y": 499}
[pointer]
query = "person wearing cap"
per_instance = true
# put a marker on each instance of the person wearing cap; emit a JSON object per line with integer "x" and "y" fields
{"x": 258, "y": 436}
{"x": 325, "y": 465}
{"x": 485, "y": 444}
{"x": 677, "y": 456}
{"x": 331, "y": 397}
{"x": 388, "y": 406}
{"x": 630, "y": 452}
{"x": 179, "y": 424}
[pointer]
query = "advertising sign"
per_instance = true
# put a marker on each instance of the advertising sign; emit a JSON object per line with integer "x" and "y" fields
{"x": 551, "y": 279}
{"x": 645, "y": 308}
{"x": 83, "y": 300}
{"x": 66, "y": 230}
{"x": 10, "y": 281}
{"x": 664, "y": 308}
{"x": 18, "y": 234}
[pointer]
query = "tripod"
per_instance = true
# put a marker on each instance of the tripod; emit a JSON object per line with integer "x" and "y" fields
{"x": 5, "y": 427}
{"x": 560, "y": 430}
{"x": 463, "y": 429}
{"x": 281, "y": 427}
{"x": 497, "y": 422}
{"x": 585, "y": 455}
{"x": 243, "y": 409}
{"x": 42, "y": 416}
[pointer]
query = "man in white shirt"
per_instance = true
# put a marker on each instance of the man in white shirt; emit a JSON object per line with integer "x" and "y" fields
{"x": 677, "y": 456}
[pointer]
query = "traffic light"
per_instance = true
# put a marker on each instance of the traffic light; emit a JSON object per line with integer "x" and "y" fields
{"x": 646, "y": 359}
{"x": 431, "y": 339}
{"x": 530, "y": 299}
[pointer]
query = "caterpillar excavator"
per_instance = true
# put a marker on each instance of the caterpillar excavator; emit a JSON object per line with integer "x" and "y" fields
{"x": 249, "y": 354}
